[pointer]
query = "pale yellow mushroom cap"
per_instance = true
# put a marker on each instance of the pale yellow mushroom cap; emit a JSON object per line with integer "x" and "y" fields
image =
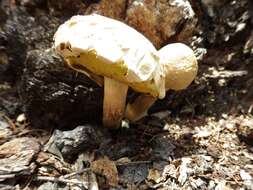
{"x": 179, "y": 65}
{"x": 110, "y": 48}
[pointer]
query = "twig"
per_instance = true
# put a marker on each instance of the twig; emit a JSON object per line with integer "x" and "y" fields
{"x": 250, "y": 108}
{"x": 7, "y": 176}
{"x": 11, "y": 123}
{"x": 29, "y": 181}
{"x": 61, "y": 180}
{"x": 93, "y": 184}
{"x": 27, "y": 131}
{"x": 76, "y": 173}
{"x": 160, "y": 184}
{"x": 134, "y": 163}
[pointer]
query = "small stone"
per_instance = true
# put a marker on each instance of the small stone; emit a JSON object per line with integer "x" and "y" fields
{"x": 163, "y": 148}
{"x": 245, "y": 175}
{"x": 132, "y": 174}
{"x": 169, "y": 14}
{"x": 79, "y": 139}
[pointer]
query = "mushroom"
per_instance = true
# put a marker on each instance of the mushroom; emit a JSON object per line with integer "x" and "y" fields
{"x": 118, "y": 57}
{"x": 113, "y": 54}
{"x": 179, "y": 66}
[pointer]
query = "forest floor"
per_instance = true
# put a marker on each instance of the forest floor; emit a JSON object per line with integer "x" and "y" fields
{"x": 198, "y": 138}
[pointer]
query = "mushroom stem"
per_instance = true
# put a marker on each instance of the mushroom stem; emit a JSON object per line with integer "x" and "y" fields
{"x": 115, "y": 94}
{"x": 139, "y": 107}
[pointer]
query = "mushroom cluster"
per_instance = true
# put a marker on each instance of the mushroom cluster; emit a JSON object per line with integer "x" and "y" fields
{"x": 117, "y": 57}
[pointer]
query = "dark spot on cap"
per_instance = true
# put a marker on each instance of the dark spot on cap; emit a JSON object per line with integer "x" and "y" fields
{"x": 72, "y": 23}
{"x": 68, "y": 46}
{"x": 62, "y": 46}
{"x": 125, "y": 73}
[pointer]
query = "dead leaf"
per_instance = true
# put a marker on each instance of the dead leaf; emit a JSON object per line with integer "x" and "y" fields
{"x": 154, "y": 175}
{"x": 17, "y": 157}
{"x": 107, "y": 168}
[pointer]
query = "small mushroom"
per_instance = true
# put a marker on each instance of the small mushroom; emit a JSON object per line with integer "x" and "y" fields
{"x": 118, "y": 57}
{"x": 179, "y": 66}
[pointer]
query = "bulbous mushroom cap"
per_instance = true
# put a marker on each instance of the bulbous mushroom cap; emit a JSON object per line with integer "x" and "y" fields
{"x": 179, "y": 65}
{"x": 110, "y": 48}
